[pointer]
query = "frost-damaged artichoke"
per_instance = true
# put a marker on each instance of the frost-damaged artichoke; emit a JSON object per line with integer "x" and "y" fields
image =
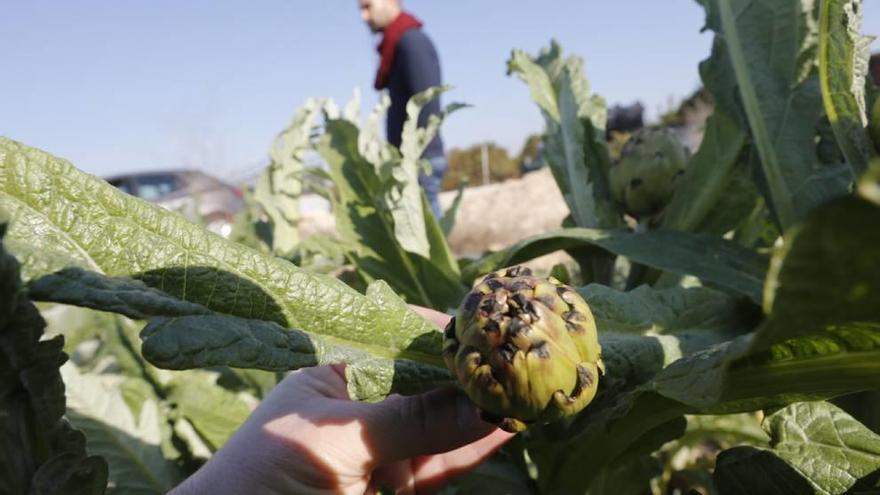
{"x": 524, "y": 348}
{"x": 644, "y": 178}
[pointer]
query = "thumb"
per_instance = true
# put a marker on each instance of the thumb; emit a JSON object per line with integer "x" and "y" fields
{"x": 430, "y": 423}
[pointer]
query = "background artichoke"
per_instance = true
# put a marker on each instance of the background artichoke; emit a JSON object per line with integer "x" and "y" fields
{"x": 644, "y": 178}
{"x": 524, "y": 348}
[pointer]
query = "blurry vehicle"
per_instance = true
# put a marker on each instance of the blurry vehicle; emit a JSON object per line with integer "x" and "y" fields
{"x": 198, "y": 196}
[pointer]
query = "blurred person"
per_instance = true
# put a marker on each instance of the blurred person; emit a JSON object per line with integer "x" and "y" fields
{"x": 408, "y": 65}
{"x": 307, "y": 436}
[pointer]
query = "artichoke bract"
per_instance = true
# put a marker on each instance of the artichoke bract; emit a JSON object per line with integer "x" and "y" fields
{"x": 524, "y": 348}
{"x": 644, "y": 178}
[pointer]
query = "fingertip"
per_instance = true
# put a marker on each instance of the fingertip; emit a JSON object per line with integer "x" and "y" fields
{"x": 434, "y": 316}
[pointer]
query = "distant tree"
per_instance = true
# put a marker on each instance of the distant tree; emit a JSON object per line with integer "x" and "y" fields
{"x": 466, "y": 165}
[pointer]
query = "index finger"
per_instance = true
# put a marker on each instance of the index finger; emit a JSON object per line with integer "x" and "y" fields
{"x": 434, "y": 316}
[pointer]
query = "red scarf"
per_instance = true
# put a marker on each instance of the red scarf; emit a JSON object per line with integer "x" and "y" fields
{"x": 393, "y": 32}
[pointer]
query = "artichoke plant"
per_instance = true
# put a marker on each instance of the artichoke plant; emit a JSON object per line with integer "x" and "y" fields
{"x": 644, "y": 178}
{"x": 524, "y": 348}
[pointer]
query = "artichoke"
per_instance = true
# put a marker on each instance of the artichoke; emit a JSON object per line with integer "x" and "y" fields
{"x": 524, "y": 348}
{"x": 644, "y": 178}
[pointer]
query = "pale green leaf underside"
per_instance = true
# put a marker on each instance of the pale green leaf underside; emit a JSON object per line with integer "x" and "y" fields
{"x": 129, "y": 443}
{"x": 214, "y": 412}
{"x": 185, "y": 335}
{"x": 830, "y": 448}
{"x": 816, "y": 448}
{"x": 648, "y": 311}
{"x": 54, "y": 204}
{"x": 559, "y": 88}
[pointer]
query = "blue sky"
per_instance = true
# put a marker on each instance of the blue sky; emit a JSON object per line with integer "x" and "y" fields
{"x": 123, "y": 85}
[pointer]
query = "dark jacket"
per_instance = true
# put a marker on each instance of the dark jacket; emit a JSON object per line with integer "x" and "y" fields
{"x": 416, "y": 68}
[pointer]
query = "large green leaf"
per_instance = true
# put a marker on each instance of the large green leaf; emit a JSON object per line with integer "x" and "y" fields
{"x": 184, "y": 335}
{"x": 837, "y": 354}
{"x": 129, "y": 442}
{"x": 491, "y": 476}
{"x": 575, "y": 120}
{"x": 403, "y": 196}
{"x": 52, "y": 203}
{"x": 648, "y": 311}
{"x": 747, "y": 470}
{"x": 843, "y": 66}
{"x": 762, "y": 73}
{"x": 641, "y": 332}
{"x": 707, "y": 176}
{"x": 125, "y": 296}
{"x": 822, "y": 334}
{"x": 816, "y": 448}
{"x": 715, "y": 261}
{"x": 365, "y": 221}
{"x": 827, "y": 274}
{"x": 214, "y": 412}
{"x": 279, "y": 186}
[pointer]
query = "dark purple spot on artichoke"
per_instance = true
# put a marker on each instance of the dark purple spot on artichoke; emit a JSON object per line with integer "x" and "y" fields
{"x": 519, "y": 301}
{"x": 521, "y": 284}
{"x": 585, "y": 380}
{"x": 494, "y": 284}
{"x": 519, "y": 271}
{"x": 487, "y": 306}
{"x": 470, "y": 303}
{"x": 540, "y": 350}
{"x": 547, "y": 300}
{"x": 573, "y": 328}
{"x": 508, "y": 351}
{"x": 516, "y": 327}
{"x": 635, "y": 182}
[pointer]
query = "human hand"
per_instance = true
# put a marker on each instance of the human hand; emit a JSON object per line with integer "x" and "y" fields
{"x": 307, "y": 436}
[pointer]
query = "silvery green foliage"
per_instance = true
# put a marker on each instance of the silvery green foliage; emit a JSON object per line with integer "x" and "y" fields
{"x": 166, "y": 252}
{"x": 575, "y": 123}
{"x": 279, "y": 186}
{"x": 387, "y": 230}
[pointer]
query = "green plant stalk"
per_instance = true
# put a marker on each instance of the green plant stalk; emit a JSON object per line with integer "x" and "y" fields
{"x": 857, "y": 159}
{"x": 779, "y": 193}
{"x": 826, "y": 376}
